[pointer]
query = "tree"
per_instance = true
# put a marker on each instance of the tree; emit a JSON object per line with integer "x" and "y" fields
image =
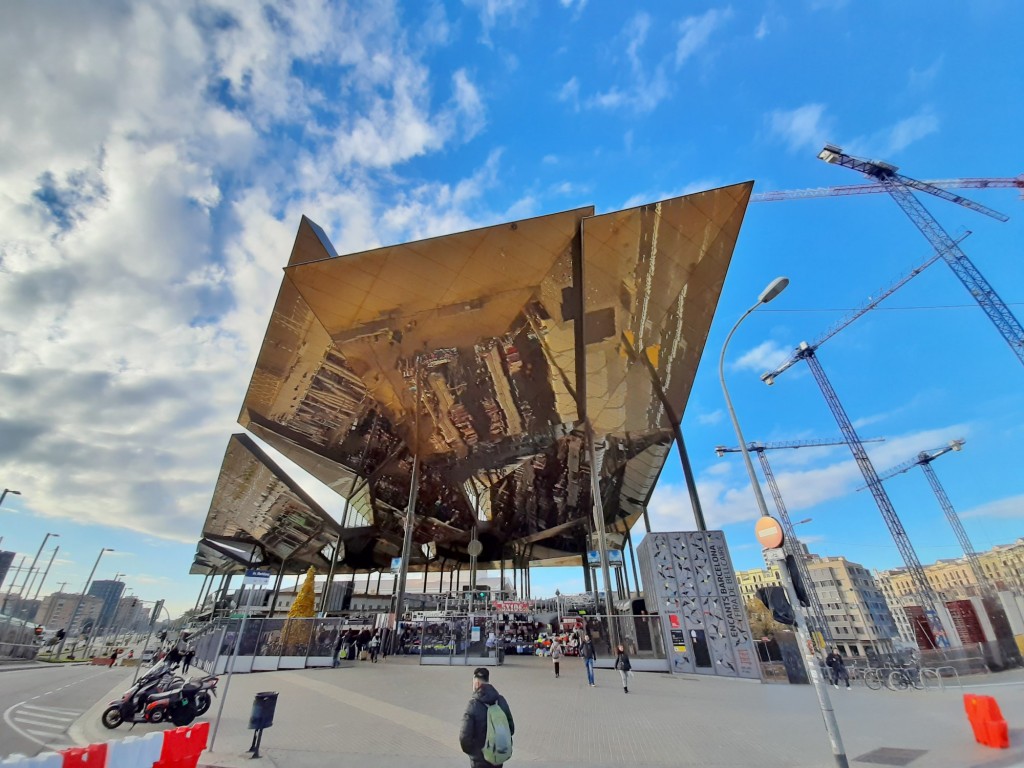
{"x": 761, "y": 622}
{"x": 296, "y": 632}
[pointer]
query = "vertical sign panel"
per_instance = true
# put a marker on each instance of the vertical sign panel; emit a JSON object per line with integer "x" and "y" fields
{"x": 689, "y": 581}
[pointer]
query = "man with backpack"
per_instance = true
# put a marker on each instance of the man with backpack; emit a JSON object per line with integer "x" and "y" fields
{"x": 487, "y": 726}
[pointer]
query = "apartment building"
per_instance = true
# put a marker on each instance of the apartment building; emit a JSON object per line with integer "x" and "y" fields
{"x": 855, "y": 608}
{"x": 854, "y": 605}
{"x": 56, "y": 611}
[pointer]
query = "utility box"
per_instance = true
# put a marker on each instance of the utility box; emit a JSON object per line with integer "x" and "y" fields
{"x": 263, "y": 707}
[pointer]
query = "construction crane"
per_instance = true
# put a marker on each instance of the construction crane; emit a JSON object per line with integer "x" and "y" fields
{"x": 899, "y": 187}
{"x": 857, "y": 313}
{"x": 869, "y": 189}
{"x": 787, "y": 525}
{"x": 924, "y": 460}
{"x": 892, "y": 521}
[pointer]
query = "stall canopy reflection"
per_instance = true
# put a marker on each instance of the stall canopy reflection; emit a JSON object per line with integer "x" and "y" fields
{"x": 480, "y": 354}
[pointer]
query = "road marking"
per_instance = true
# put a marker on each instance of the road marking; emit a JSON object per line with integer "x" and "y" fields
{"x": 44, "y": 716}
{"x": 60, "y": 710}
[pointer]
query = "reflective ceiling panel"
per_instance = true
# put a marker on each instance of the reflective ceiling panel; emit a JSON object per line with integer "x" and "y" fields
{"x": 470, "y": 351}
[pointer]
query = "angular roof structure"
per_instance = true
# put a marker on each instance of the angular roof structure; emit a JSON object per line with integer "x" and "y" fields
{"x": 481, "y": 354}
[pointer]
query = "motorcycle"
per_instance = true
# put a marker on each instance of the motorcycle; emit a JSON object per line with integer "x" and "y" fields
{"x": 208, "y": 689}
{"x": 199, "y": 692}
{"x": 131, "y": 706}
{"x": 178, "y": 705}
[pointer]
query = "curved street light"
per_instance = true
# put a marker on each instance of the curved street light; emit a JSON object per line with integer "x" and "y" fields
{"x": 775, "y": 287}
{"x": 10, "y": 491}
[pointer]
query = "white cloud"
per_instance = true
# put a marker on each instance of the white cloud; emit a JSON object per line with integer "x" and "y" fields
{"x": 762, "y": 29}
{"x": 895, "y": 138}
{"x": 642, "y": 90}
{"x": 569, "y": 93}
{"x": 766, "y": 356}
{"x": 712, "y": 417}
{"x": 804, "y": 127}
{"x": 642, "y": 198}
{"x": 493, "y": 12}
{"x": 695, "y": 31}
{"x": 147, "y": 213}
{"x": 1011, "y": 507}
{"x": 802, "y": 487}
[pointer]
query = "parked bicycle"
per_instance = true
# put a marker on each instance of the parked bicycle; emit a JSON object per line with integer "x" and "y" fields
{"x": 902, "y": 678}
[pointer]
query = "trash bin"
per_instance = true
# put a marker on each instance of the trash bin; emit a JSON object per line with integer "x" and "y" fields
{"x": 263, "y": 706}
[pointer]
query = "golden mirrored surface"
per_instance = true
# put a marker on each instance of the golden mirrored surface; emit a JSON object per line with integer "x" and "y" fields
{"x": 481, "y": 352}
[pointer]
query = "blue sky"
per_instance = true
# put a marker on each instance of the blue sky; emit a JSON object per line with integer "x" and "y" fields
{"x": 155, "y": 162}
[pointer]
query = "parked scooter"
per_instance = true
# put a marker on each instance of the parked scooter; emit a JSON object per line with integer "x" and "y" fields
{"x": 132, "y": 704}
{"x": 207, "y": 690}
{"x": 200, "y": 690}
{"x": 179, "y": 705}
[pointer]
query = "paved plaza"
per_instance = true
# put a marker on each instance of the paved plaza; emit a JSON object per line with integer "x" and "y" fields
{"x": 401, "y": 714}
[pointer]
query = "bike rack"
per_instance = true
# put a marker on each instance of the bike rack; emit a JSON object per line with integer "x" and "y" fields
{"x": 938, "y": 671}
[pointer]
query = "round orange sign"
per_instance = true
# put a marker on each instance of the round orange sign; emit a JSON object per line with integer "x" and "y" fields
{"x": 769, "y": 532}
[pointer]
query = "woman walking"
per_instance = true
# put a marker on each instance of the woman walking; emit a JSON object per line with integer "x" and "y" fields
{"x": 622, "y": 664}
{"x": 556, "y": 654}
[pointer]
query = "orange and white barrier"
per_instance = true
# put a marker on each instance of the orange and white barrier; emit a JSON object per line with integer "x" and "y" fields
{"x": 176, "y": 748}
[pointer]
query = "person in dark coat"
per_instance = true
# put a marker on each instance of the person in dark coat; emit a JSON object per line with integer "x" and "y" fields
{"x": 622, "y": 664}
{"x": 835, "y": 662}
{"x": 589, "y": 655}
{"x": 187, "y": 658}
{"x": 474, "y": 722}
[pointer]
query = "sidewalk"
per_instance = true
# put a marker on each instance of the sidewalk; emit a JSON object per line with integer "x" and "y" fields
{"x": 401, "y": 714}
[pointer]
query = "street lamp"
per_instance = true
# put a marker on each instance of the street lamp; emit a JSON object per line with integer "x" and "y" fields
{"x": 32, "y": 567}
{"x": 81, "y": 597}
{"x": 777, "y": 286}
{"x": 6, "y": 491}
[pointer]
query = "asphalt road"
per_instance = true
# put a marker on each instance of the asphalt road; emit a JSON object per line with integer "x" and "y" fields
{"x": 40, "y": 703}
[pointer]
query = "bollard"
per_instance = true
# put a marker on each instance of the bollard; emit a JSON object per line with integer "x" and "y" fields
{"x": 262, "y": 716}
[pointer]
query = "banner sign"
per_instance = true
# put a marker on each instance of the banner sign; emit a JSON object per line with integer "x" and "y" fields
{"x": 255, "y": 578}
{"x": 614, "y": 557}
{"x": 396, "y": 564}
{"x": 511, "y": 606}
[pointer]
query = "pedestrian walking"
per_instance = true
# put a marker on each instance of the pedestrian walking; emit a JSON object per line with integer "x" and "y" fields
{"x": 113, "y": 658}
{"x": 187, "y": 658}
{"x": 834, "y": 661}
{"x": 338, "y": 644}
{"x": 374, "y": 647}
{"x": 556, "y": 654}
{"x": 622, "y": 664}
{"x": 589, "y": 655}
{"x": 487, "y": 725}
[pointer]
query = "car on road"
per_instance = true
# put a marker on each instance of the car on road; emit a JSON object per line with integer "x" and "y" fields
{"x": 148, "y": 655}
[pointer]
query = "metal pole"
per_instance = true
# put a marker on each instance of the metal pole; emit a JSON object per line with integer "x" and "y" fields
{"x": 410, "y": 512}
{"x": 231, "y": 665}
{"x": 202, "y": 588}
{"x": 45, "y": 573}
{"x": 78, "y": 604}
{"x": 632, "y": 559}
{"x": 810, "y": 660}
{"x": 677, "y": 431}
{"x": 602, "y": 540}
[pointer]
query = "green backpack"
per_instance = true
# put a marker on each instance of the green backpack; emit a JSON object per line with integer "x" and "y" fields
{"x": 498, "y": 744}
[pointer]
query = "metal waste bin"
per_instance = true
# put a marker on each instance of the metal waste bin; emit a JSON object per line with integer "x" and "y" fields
{"x": 263, "y": 706}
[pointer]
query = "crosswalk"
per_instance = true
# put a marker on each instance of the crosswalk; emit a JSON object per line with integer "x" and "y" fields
{"x": 48, "y": 725}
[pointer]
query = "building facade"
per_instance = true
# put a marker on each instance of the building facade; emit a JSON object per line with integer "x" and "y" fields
{"x": 57, "y": 609}
{"x": 109, "y": 592}
{"x": 855, "y": 607}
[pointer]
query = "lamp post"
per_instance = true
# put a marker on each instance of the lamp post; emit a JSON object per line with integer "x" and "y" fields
{"x": 74, "y": 613}
{"x": 777, "y": 286}
{"x": 6, "y": 491}
{"x": 32, "y": 567}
